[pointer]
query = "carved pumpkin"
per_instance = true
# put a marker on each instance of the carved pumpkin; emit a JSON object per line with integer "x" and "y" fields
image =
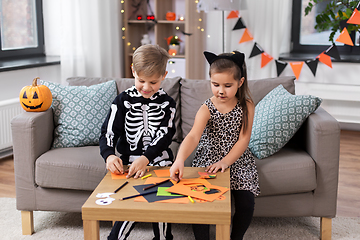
{"x": 35, "y": 98}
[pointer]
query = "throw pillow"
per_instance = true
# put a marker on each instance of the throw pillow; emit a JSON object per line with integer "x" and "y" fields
{"x": 79, "y": 112}
{"x": 277, "y": 118}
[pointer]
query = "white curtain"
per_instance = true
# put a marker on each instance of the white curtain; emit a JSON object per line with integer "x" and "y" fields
{"x": 91, "y": 38}
{"x": 269, "y": 22}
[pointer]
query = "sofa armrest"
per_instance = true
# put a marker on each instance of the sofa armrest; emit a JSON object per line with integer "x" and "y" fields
{"x": 322, "y": 142}
{"x": 32, "y": 134}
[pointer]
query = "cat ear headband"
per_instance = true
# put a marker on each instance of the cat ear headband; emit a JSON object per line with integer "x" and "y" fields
{"x": 237, "y": 57}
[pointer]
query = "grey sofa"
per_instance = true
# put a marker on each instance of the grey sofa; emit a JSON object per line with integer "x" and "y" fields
{"x": 299, "y": 180}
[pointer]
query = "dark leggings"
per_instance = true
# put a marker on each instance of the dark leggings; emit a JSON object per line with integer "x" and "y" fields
{"x": 244, "y": 210}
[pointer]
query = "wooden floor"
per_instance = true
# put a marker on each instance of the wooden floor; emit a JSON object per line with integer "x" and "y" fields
{"x": 349, "y": 177}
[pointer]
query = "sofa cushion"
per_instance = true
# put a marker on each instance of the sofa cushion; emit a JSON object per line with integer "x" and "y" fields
{"x": 79, "y": 112}
{"x": 286, "y": 172}
{"x": 80, "y": 168}
{"x": 277, "y": 118}
{"x": 260, "y": 88}
{"x": 170, "y": 85}
{"x": 193, "y": 94}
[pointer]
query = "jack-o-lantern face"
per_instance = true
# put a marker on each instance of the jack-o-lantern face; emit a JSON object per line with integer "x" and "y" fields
{"x": 35, "y": 98}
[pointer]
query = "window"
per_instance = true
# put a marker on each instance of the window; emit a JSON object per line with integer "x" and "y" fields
{"x": 21, "y": 28}
{"x": 306, "y": 39}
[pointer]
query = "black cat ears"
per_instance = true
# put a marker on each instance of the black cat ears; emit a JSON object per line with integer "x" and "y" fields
{"x": 235, "y": 56}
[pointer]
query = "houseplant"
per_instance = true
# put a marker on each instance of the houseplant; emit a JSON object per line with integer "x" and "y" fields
{"x": 334, "y": 16}
{"x": 174, "y": 44}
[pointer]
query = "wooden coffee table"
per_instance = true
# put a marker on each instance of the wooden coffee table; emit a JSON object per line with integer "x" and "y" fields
{"x": 216, "y": 212}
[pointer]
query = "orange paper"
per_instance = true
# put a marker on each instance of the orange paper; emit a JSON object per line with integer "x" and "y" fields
{"x": 198, "y": 190}
{"x": 118, "y": 176}
{"x": 162, "y": 173}
{"x": 233, "y": 14}
{"x": 345, "y": 38}
{"x": 296, "y": 67}
{"x": 246, "y": 36}
{"x": 265, "y": 59}
{"x": 355, "y": 17}
{"x": 326, "y": 59}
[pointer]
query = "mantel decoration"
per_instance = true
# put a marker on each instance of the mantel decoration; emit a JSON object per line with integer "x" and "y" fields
{"x": 350, "y": 17}
{"x": 174, "y": 44}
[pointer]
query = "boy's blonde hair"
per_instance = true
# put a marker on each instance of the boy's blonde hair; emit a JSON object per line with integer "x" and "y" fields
{"x": 150, "y": 60}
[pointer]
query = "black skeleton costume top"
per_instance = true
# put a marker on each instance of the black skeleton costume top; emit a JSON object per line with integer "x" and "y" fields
{"x": 139, "y": 126}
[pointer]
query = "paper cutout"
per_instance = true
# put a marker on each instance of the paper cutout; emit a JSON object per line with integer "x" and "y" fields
{"x": 312, "y": 64}
{"x": 256, "y": 50}
{"x": 239, "y": 25}
{"x": 153, "y": 196}
{"x": 162, "y": 192}
{"x": 265, "y": 59}
{"x": 280, "y": 66}
{"x": 246, "y": 36}
{"x": 183, "y": 200}
{"x": 104, "y": 195}
{"x": 162, "y": 173}
{"x": 198, "y": 190}
{"x": 104, "y": 201}
{"x": 296, "y": 67}
{"x": 206, "y": 175}
{"x": 345, "y": 38}
{"x": 118, "y": 176}
{"x": 325, "y": 59}
{"x": 332, "y": 51}
{"x": 233, "y": 14}
{"x": 354, "y": 18}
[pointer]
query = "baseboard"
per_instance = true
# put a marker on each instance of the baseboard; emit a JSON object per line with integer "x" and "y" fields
{"x": 6, "y": 152}
{"x": 349, "y": 126}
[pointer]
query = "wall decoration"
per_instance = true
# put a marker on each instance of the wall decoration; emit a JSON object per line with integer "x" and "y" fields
{"x": 324, "y": 57}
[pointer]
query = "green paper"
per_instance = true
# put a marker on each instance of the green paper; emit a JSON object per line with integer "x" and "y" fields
{"x": 162, "y": 192}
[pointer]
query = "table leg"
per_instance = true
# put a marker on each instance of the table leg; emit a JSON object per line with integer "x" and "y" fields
{"x": 91, "y": 230}
{"x": 222, "y": 232}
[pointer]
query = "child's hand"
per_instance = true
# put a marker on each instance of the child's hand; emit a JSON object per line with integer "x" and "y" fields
{"x": 216, "y": 167}
{"x": 138, "y": 167}
{"x": 177, "y": 171}
{"x": 114, "y": 164}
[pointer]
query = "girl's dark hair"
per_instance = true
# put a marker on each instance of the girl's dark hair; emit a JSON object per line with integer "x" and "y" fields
{"x": 243, "y": 93}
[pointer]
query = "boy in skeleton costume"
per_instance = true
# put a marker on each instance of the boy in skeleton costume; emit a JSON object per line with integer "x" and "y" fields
{"x": 140, "y": 126}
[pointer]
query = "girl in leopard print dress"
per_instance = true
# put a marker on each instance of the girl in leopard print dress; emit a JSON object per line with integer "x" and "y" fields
{"x": 222, "y": 130}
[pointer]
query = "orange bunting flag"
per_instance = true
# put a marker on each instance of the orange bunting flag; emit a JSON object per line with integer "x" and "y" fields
{"x": 265, "y": 59}
{"x": 344, "y": 37}
{"x": 246, "y": 36}
{"x": 326, "y": 59}
{"x": 296, "y": 67}
{"x": 233, "y": 14}
{"x": 355, "y": 17}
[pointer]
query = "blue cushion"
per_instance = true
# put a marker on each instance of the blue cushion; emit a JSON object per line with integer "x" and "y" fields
{"x": 277, "y": 118}
{"x": 79, "y": 112}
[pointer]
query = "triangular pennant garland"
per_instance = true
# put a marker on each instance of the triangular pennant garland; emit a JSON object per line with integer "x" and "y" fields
{"x": 332, "y": 51}
{"x": 239, "y": 25}
{"x": 344, "y": 37}
{"x": 265, "y": 59}
{"x": 246, "y": 36}
{"x": 312, "y": 64}
{"x": 355, "y": 17}
{"x": 325, "y": 59}
{"x": 280, "y": 66}
{"x": 296, "y": 67}
{"x": 233, "y": 14}
{"x": 256, "y": 50}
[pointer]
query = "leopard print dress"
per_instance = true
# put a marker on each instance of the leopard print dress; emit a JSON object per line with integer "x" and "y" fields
{"x": 220, "y": 134}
